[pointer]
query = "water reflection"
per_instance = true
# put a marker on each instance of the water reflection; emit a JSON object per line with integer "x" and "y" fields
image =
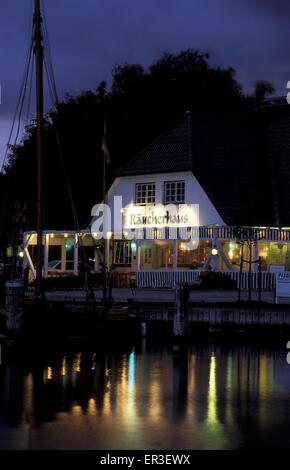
{"x": 149, "y": 396}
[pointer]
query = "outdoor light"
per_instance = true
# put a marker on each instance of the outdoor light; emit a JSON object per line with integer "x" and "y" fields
{"x": 9, "y": 251}
{"x": 21, "y": 254}
{"x": 133, "y": 245}
{"x": 214, "y": 251}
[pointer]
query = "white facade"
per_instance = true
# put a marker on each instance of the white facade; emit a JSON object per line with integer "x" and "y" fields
{"x": 194, "y": 194}
{"x": 163, "y": 260}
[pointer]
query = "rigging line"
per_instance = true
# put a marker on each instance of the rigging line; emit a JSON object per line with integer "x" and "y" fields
{"x": 29, "y": 92}
{"x": 73, "y": 207}
{"x": 17, "y": 104}
{"x": 48, "y": 51}
{"x": 71, "y": 198}
{"x": 49, "y": 83}
{"x": 8, "y": 145}
{"x": 23, "y": 96}
{"x": 50, "y": 74}
{"x": 54, "y": 99}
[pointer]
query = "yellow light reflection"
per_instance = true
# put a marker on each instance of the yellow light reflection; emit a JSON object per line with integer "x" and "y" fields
{"x": 49, "y": 373}
{"x": 107, "y": 404}
{"x": 93, "y": 362}
{"x": 77, "y": 410}
{"x": 78, "y": 362}
{"x": 92, "y": 407}
{"x": 63, "y": 370}
{"x": 214, "y": 434}
{"x": 155, "y": 399}
{"x": 212, "y": 400}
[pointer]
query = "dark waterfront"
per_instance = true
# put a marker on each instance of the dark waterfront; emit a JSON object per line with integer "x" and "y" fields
{"x": 145, "y": 396}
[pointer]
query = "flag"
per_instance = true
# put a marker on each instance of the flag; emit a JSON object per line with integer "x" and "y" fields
{"x": 105, "y": 146}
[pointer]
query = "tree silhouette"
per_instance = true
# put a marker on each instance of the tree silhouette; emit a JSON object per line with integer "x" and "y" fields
{"x": 140, "y": 105}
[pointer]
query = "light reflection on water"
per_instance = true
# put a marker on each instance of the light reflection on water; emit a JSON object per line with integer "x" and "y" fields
{"x": 147, "y": 397}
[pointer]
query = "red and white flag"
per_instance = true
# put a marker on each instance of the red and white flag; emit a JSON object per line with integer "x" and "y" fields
{"x": 105, "y": 146}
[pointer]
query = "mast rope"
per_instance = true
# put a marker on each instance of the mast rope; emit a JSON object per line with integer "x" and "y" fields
{"x": 54, "y": 99}
{"x": 19, "y": 103}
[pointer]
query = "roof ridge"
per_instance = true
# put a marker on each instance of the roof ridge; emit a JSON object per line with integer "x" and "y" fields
{"x": 157, "y": 139}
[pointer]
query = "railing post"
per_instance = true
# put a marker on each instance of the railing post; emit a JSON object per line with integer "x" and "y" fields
{"x": 174, "y": 266}
{"x": 256, "y": 268}
{"x": 76, "y": 254}
{"x": 45, "y": 258}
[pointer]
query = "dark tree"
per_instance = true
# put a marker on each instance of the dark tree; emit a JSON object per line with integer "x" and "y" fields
{"x": 140, "y": 106}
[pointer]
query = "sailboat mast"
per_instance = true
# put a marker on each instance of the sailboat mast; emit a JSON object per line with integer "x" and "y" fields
{"x": 38, "y": 51}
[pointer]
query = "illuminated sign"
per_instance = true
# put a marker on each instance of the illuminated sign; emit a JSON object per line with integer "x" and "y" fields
{"x": 160, "y": 216}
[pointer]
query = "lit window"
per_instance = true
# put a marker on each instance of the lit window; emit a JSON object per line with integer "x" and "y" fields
{"x": 122, "y": 253}
{"x": 145, "y": 193}
{"x": 174, "y": 192}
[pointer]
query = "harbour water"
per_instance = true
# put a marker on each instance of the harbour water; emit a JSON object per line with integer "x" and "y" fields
{"x": 146, "y": 396}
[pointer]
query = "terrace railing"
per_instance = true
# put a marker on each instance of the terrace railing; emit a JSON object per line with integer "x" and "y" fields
{"x": 169, "y": 279}
{"x": 230, "y": 233}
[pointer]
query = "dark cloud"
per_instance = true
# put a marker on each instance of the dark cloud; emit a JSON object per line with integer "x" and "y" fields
{"x": 89, "y": 37}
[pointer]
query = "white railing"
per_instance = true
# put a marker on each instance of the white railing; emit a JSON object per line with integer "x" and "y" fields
{"x": 230, "y": 233}
{"x": 218, "y": 232}
{"x": 170, "y": 278}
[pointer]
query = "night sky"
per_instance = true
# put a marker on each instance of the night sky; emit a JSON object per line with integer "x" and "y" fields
{"x": 89, "y": 37}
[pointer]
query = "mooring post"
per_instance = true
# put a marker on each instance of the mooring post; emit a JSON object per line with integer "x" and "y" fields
{"x": 181, "y": 309}
{"x": 143, "y": 329}
{"x": 14, "y": 292}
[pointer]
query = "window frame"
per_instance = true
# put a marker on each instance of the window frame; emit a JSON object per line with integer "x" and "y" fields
{"x": 146, "y": 197}
{"x": 119, "y": 253}
{"x": 165, "y": 201}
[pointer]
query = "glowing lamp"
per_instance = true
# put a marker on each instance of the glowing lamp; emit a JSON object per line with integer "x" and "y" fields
{"x": 214, "y": 251}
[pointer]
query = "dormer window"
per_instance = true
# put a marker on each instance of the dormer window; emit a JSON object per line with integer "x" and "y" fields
{"x": 145, "y": 193}
{"x": 174, "y": 192}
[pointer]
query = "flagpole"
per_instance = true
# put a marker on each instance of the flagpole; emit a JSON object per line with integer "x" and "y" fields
{"x": 105, "y": 266}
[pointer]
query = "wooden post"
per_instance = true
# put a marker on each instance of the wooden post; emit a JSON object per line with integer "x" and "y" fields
{"x": 76, "y": 254}
{"x": 256, "y": 265}
{"x": 241, "y": 271}
{"x": 45, "y": 260}
{"x": 174, "y": 267}
{"x": 250, "y": 273}
{"x": 97, "y": 261}
{"x": 260, "y": 278}
{"x": 182, "y": 292}
{"x": 14, "y": 293}
{"x": 174, "y": 263}
{"x": 63, "y": 255}
{"x": 138, "y": 248}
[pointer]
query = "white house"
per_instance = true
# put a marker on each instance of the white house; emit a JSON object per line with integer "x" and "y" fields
{"x": 216, "y": 162}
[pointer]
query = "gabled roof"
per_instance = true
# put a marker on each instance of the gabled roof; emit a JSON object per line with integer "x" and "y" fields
{"x": 242, "y": 163}
{"x": 169, "y": 152}
{"x": 278, "y": 137}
